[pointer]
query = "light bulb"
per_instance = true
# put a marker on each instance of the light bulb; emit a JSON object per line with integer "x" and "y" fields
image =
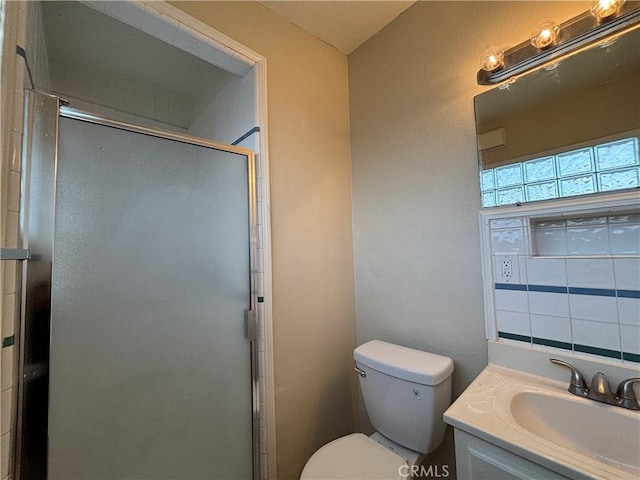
{"x": 492, "y": 59}
{"x": 545, "y": 35}
{"x": 605, "y": 10}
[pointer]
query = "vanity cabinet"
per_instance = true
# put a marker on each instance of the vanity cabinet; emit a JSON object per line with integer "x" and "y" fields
{"x": 478, "y": 459}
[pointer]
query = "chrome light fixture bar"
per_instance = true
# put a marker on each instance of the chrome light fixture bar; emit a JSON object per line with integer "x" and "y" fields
{"x": 572, "y": 35}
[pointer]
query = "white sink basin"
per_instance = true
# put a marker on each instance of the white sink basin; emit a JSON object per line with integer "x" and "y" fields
{"x": 537, "y": 419}
{"x": 599, "y": 431}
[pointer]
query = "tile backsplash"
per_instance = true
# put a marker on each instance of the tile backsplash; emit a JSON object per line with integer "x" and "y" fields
{"x": 571, "y": 282}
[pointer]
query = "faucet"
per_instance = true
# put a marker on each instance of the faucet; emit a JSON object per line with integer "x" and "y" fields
{"x": 600, "y": 390}
{"x": 625, "y": 394}
{"x": 577, "y": 385}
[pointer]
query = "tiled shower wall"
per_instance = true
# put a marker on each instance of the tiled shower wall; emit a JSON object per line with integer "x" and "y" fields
{"x": 232, "y": 114}
{"x": 12, "y": 84}
{"x": 570, "y": 282}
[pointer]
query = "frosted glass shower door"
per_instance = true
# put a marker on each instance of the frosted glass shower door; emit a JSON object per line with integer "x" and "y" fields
{"x": 150, "y": 367}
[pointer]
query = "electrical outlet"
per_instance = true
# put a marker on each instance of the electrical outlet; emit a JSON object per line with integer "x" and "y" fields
{"x": 506, "y": 269}
{"x": 507, "y": 272}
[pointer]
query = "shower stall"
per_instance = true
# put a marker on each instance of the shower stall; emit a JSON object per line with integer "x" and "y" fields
{"x": 137, "y": 355}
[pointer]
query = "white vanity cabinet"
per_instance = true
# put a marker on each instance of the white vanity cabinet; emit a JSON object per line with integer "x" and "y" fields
{"x": 478, "y": 459}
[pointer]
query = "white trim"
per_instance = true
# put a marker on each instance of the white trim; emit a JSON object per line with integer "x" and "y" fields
{"x": 238, "y": 50}
{"x": 206, "y": 42}
{"x": 263, "y": 157}
{"x": 487, "y": 277}
{"x": 569, "y": 205}
{"x": 231, "y": 55}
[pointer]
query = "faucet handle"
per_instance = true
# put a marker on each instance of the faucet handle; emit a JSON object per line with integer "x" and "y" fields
{"x": 577, "y": 385}
{"x": 626, "y": 395}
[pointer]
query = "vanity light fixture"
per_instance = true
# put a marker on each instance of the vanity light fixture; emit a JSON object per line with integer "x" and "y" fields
{"x": 605, "y": 10}
{"x": 492, "y": 59}
{"x": 550, "y": 42}
{"x": 545, "y": 35}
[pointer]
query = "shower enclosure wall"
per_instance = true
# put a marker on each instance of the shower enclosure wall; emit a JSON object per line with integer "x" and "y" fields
{"x": 142, "y": 244}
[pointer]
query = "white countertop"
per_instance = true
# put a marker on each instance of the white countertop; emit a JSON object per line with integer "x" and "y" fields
{"x": 485, "y": 410}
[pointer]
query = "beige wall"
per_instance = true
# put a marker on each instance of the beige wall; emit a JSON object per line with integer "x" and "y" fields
{"x": 313, "y": 298}
{"x": 415, "y": 199}
{"x": 415, "y": 179}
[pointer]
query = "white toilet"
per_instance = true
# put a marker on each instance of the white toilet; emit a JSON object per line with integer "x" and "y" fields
{"x": 406, "y": 392}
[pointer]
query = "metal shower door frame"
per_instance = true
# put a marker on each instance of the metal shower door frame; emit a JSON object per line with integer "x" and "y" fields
{"x": 37, "y": 222}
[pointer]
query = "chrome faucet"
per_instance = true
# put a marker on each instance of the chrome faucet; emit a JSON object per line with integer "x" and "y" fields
{"x": 625, "y": 394}
{"x": 600, "y": 390}
{"x": 577, "y": 385}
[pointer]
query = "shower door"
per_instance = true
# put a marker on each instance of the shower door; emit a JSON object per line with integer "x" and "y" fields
{"x": 150, "y": 362}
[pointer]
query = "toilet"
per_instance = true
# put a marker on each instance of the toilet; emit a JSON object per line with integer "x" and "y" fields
{"x": 405, "y": 392}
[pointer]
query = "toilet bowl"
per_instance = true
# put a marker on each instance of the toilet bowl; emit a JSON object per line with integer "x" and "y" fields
{"x": 354, "y": 456}
{"x": 405, "y": 392}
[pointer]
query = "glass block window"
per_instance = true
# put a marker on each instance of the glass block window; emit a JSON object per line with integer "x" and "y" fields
{"x": 604, "y": 167}
{"x": 509, "y": 196}
{"x": 539, "y": 169}
{"x": 541, "y": 191}
{"x": 575, "y": 162}
{"x": 509, "y": 175}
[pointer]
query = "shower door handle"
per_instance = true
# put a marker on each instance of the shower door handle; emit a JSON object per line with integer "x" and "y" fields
{"x": 250, "y": 331}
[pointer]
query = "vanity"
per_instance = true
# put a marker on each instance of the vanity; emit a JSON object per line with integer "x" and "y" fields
{"x": 559, "y": 170}
{"x": 512, "y": 424}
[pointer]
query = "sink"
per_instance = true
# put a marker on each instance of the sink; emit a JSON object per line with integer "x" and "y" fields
{"x": 536, "y": 419}
{"x": 606, "y": 433}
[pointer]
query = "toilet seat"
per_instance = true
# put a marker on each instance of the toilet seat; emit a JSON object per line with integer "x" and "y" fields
{"x": 354, "y": 457}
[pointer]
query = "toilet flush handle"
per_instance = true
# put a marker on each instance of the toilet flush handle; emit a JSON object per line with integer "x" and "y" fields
{"x": 362, "y": 373}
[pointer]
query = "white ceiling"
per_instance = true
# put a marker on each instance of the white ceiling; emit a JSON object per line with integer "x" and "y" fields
{"x": 344, "y": 24}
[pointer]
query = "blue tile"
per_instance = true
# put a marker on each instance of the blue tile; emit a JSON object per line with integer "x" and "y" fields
{"x": 246, "y": 135}
{"x": 600, "y": 292}
{"x": 628, "y": 293}
{"x": 547, "y": 288}
{"x": 603, "y": 352}
{"x": 514, "y": 336}
{"x": 510, "y": 286}
{"x": 552, "y": 343}
{"x": 632, "y": 357}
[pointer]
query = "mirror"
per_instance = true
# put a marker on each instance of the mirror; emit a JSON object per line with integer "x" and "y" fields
{"x": 566, "y": 129}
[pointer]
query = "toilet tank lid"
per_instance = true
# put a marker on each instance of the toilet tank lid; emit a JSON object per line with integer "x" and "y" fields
{"x": 403, "y": 362}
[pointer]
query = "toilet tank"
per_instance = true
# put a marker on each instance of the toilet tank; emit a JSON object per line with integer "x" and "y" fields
{"x": 405, "y": 392}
